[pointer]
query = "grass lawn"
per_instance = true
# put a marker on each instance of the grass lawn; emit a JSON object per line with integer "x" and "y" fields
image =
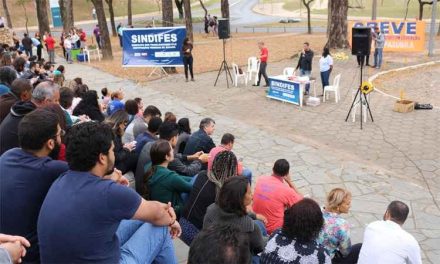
{"x": 385, "y": 8}
{"x": 82, "y": 9}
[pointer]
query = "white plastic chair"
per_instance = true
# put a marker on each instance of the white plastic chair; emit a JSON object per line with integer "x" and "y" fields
{"x": 95, "y": 52}
{"x": 253, "y": 67}
{"x": 238, "y": 75}
{"x": 288, "y": 72}
{"x": 333, "y": 88}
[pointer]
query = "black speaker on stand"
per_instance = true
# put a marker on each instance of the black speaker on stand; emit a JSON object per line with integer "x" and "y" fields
{"x": 224, "y": 33}
{"x": 361, "y": 46}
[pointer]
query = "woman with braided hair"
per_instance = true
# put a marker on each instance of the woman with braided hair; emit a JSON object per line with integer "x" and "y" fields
{"x": 205, "y": 192}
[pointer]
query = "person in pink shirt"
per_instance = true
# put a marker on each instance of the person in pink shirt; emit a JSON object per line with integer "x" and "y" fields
{"x": 226, "y": 144}
{"x": 274, "y": 194}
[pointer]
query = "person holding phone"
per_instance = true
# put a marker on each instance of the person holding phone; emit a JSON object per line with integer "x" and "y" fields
{"x": 188, "y": 58}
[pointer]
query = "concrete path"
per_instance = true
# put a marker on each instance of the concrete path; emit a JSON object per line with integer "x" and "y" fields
{"x": 396, "y": 157}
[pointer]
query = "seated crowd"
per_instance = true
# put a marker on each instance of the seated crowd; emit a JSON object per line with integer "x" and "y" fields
{"x": 103, "y": 180}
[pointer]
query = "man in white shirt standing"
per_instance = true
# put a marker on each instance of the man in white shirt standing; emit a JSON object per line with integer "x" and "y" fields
{"x": 68, "y": 46}
{"x": 386, "y": 241}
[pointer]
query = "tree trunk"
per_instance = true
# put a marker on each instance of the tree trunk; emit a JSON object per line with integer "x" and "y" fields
{"x": 188, "y": 19}
{"x": 107, "y": 53}
{"x": 338, "y": 26}
{"x": 225, "y": 8}
{"x": 167, "y": 13}
{"x": 112, "y": 16}
{"x": 26, "y": 23}
{"x": 168, "y": 21}
{"x": 204, "y": 7}
{"x": 329, "y": 17}
{"x": 179, "y": 5}
{"x": 406, "y": 11}
{"x": 374, "y": 10}
{"x": 66, "y": 9}
{"x": 42, "y": 16}
{"x": 309, "y": 24}
{"x": 8, "y": 16}
{"x": 422, "y": 6}
{"x": 129, "y": 13}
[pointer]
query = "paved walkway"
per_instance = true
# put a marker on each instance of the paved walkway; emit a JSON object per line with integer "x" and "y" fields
{"x": 396, "y": 157}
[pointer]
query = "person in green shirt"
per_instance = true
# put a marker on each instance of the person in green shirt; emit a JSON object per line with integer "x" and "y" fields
{"x": 161, "y": 183}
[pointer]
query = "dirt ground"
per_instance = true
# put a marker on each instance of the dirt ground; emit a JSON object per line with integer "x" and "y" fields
{"x": 208, "y": 53}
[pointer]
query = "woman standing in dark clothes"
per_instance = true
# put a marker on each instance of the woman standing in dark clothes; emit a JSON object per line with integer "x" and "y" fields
{"x": 40, "y": 46}
{"x": 188, "y": 58}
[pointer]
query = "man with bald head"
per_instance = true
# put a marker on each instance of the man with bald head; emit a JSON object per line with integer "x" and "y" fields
{"x": 45, "y": 93}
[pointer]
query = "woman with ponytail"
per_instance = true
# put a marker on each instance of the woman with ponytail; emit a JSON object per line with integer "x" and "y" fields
{"x": 162, "y": 184}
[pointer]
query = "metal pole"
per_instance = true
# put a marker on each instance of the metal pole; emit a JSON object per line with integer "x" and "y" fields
{"x": 432, "y": 31}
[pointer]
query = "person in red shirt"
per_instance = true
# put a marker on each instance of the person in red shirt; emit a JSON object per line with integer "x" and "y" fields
{"x": 50, "y": 43}
{"x": 82, "y": 38}
{"x": 263, "y": 64}
{"x": 273, "y": 194}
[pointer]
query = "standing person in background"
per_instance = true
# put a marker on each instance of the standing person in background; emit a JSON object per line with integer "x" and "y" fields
{"x": 214, "y": 27}
{"x": 305, "y": 63}
{"x": 206, "y": 24}
{"x": 97, "y": 33}
{"x": 68, "y": 46}
{"x": 379, "y": 43}
{"x": 94, "y": 13}
{"x": 188, "y": 58}
{"x": 62, "y": 38}
{"x": 119, "y": 29}
{"x": 37, "y": 42}
{"x": 27, "y": 44}
{"x": 50, "y": 44}
{"x": 82, "y": 38}
{"x": 263, "y": 64}
{"x": 325, "y": 67}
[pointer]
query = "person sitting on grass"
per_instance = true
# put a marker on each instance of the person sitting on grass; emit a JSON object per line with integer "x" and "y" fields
{"x": 296, "y": 242}
{"x": 90, "y": 216}
{"x": 162, "y": 184}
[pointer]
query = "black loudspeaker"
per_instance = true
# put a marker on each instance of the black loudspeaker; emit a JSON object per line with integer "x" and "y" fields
{"x": 223, "y": 28}
{"x": 361, "y": 41}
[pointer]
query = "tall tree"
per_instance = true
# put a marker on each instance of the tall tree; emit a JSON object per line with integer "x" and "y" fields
{"x": 188, "y": 19}
{"x": 179, "y": 5}
{"x": 106, "y": 45}
{"x": 167, "y": 13}
{"x": 406, "y": 10}
{"x": 168, "y": 21}
{"x": 338, "y": 26}
{"x": 7, "y": 14}
{"x": 204, "y": 7}
{"x": 225, "y": 8}
{"x": 129, "y": 13}
{"x": 329, "y": 17}
{"x": 66, "y": 9}
{"x": 309, "y": 24}
{"x": 374, "y": 10}
{"x": 42, "y": 16}
{"x": 421, "y": 7}
{"x": 23, "y": 3}
{"x": 112, "y": 16}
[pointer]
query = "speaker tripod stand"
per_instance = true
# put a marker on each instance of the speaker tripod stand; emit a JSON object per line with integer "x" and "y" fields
{"x": 224, "y": 67}
{"x": 360, "y": 100}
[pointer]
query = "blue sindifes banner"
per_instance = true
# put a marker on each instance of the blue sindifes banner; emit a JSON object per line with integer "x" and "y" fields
{"x": 153, "y": 47}
{"x": 286, "y": 91}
